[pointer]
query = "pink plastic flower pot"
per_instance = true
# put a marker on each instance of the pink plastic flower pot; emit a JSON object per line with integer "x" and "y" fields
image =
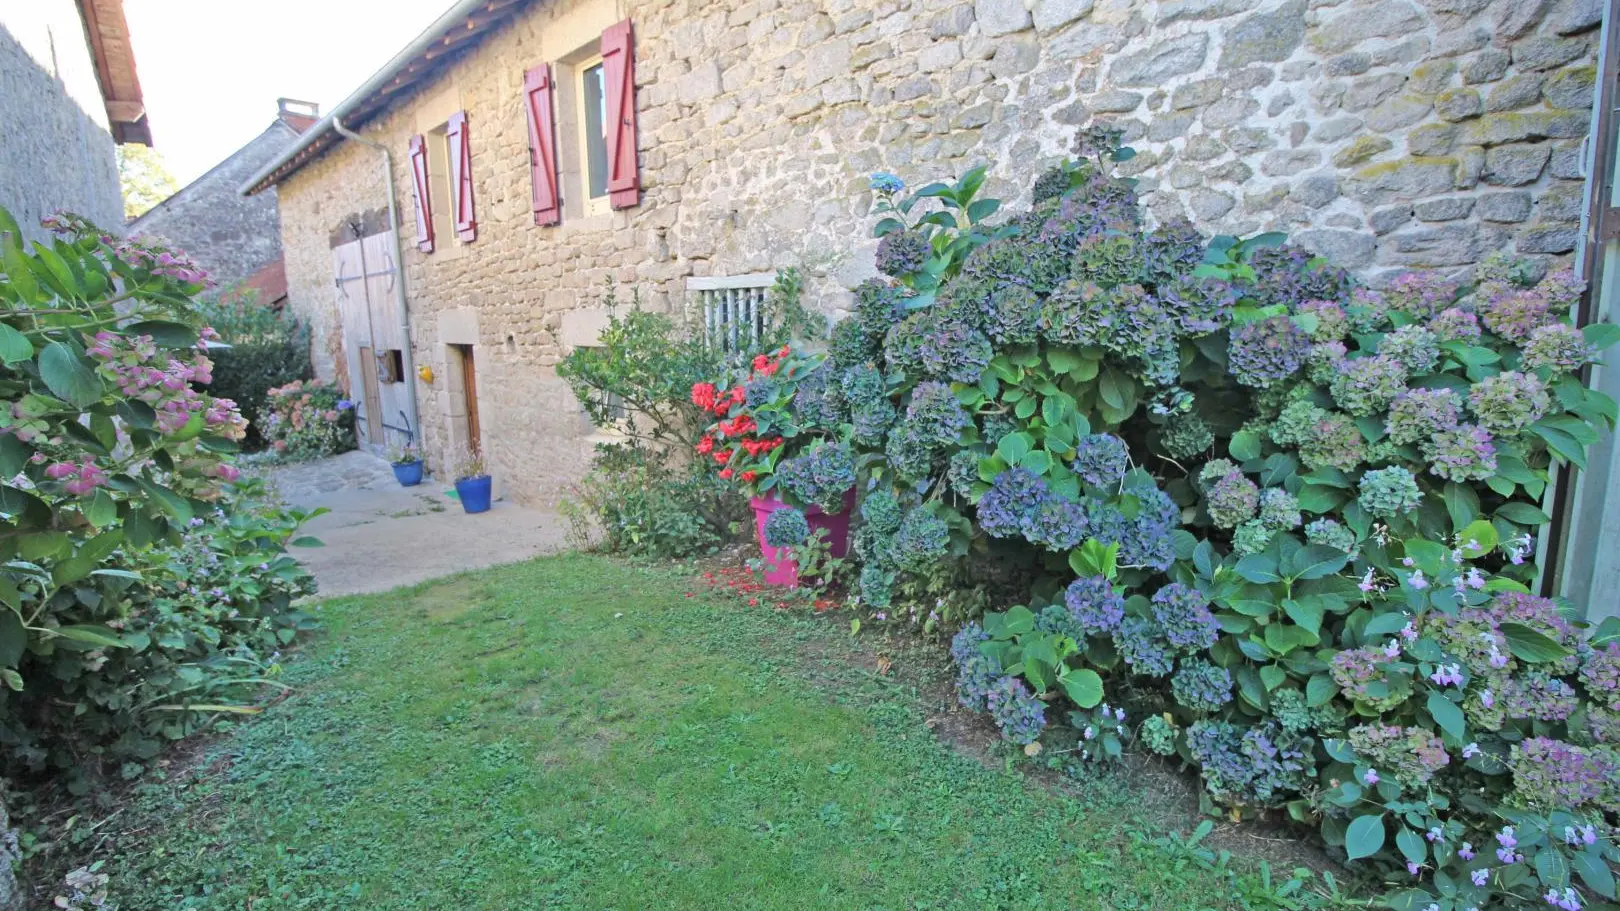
{"x": 780, "y": 568}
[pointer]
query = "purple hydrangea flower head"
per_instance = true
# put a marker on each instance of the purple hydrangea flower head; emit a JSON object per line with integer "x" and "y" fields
{"x": 1553, "y": 775}
{"x": 1279, "y": 509}
{"x": 1509, "y": 401}
{"x": 1264, "y": 352}
{"x": 1539, "y": 696}
{"x": 1563, "y": 288}
{"x": 1331, "y": 322}
{"x": 976, "y": 672}
{"x": 1366, "y": 385}
{"x": 1144, "y": 647}
{"x": 1463, "y": 453}
{"x": 1355, "y": 669}
{"x": 1514, "y": 314}
{"x": 1094, "y": 604}
{"x": 1413, "y": 755}
{"x": 1335, "y": 442}
{"x": 1558, "y": 347}
{"x": 1013, "y": 497}
{"x": 1232, "y": 499}
{"x": 902, "y": 253}
{"x": 1416, "y": 414}
{"x": 1420, "y": 295}
{"x": 1057, "y": 524}
{"x": 1322, "y": 361}
{"x": 1017, "y": 712}
{"x": 1201, "y": 686}
{"x": 1416, "y": 348}
{"x": 1455, "y": 324}
{"x": 936, "y": 414}
{"x": 1184, "y": 616}
{"x": 1101, "y": 459}
{"x": 1198, "y": 306}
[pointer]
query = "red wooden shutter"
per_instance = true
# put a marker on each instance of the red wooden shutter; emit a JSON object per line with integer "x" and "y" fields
{"x": 419, "y": 187}
{"x": 539, "y": 94}
{"x": 461, "y": 185}
{"x": 619, "y": 70}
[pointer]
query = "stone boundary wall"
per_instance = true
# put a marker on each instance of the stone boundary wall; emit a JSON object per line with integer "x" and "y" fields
{"x": 1388, "y": 134}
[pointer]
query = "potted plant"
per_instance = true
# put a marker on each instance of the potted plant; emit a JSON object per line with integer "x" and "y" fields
{"x": 407, "y": 462}
{"x": 472, "y": 481}
{"x": 777, "y": 442}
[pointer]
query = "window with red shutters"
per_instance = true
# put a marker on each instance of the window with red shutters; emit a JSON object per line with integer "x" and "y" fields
{"x": 619, "y": 71}
{"x": 461, "y": 184}
{"x": 540, "y": 94}
{"x": 419, "y": 188}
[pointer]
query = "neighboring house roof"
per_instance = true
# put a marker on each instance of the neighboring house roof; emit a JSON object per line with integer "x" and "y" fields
{"x": 449, "y": 37}
{"x": 270, "y": 282}
{"x": 108, "y": 36}
{"x": 292, "y": 123}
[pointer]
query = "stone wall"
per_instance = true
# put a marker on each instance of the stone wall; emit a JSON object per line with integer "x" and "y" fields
{"x": 55, "y": 150}
{"x": 230, "y": 235}
{"x": 1386, "y": 133}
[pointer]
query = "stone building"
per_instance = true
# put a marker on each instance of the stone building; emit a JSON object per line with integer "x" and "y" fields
{"x": 1387, "y": 134}
{"x": 236, "y": 238}
{"x": 68, "y": 95}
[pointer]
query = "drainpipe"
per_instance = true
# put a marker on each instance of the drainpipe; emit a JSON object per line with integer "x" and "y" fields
{"x": 401, "y": 307}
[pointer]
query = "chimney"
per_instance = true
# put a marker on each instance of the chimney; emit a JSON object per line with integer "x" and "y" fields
{"x": 300, "y": 115}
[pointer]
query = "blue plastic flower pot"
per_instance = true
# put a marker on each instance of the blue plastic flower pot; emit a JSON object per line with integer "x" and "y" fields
{"x": 408, "y": 474}
{"x": 474, "y": 493}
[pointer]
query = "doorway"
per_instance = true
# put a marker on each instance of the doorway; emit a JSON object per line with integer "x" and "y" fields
{"x": 464, "y": 397}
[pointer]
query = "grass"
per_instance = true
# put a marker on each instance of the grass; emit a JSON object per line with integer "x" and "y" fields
{"x": 577, "y": 733}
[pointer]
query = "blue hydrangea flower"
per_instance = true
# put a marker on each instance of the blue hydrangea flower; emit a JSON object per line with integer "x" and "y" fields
{"x": 922, "y": 541}
{"x": 1182, "y": 613}
{"x": 1201, "y": 686}
{"x": 1101, "y": 459}
{"x": 1095, "y": 605}
{"x": 1267, "y": 351}
{"x": 786, "y": 527}
{"x": 886, "y": 183}
{"x": 1012, "y": 498}
{"x": 1017, "y": 712}
{"x": 821, "y": 476}
{"x": 1144, "y": 647}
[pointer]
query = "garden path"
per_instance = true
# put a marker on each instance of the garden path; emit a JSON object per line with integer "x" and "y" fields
{"x": 380, "y": 535}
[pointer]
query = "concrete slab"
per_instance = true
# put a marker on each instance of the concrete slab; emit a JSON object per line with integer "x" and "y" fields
{"x": 380, "y": 535}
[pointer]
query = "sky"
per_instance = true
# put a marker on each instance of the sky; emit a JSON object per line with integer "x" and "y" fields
{"x": 211, "y": 70}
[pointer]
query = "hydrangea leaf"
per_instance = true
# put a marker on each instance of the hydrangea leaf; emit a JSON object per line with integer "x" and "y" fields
{"x": 1365, "y": 837}
{"x": 1447, "y": 715}
{"x": 1245, "y": 445}
{"x": 1478, "y": 539}
{"x": 1595, "y": 872}
{"x": 1531, "y": 646}
{"x": 1523, "y": 514}
{"x": 1552, "y": 868}
{"x": 1083, "y": 686}
{"x": 1320, "y": 499}
{"x": 67, "y": 375}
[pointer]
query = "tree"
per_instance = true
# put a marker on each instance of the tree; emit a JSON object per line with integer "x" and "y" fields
{"x": 145, "y": 179}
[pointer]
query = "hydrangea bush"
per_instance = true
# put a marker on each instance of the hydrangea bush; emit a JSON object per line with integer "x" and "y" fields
{"x": 144, "y": 589}
{"x": 1285, "y": 519}
{"x": 307, "y": 419}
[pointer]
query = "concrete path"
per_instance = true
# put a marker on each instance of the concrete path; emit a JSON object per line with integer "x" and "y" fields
{"x": 380, "y": 535}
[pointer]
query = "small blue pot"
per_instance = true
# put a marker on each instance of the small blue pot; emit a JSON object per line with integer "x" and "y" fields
{"x": 408, "y": 474}
{"x": 474, "y": 493}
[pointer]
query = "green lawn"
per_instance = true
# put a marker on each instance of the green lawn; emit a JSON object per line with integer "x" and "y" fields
{"x": 578, "y": 733}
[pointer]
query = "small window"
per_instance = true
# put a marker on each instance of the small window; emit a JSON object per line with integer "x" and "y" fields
{"x": 733, "y": 309}
{"x": 591, "y": 101}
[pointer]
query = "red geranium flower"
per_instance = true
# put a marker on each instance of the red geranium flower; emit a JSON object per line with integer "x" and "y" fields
{"x": 705, "y": 445}
{"x": 761, "y": 361}
{"x": 748, "y": 477}
{"x": 722, "y": 456}
{"x": 725, "y": 473}
{"x": 703, "y": 395}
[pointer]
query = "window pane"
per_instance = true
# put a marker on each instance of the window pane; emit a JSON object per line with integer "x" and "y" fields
{"x": 596, "y": 164}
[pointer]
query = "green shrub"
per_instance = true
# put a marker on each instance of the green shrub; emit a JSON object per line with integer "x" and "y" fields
{"x": 141, "y": 591}
{"x": 644, "y": 496}
{"x": 644, "y": 507}
{"x": 268, "y": 348}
